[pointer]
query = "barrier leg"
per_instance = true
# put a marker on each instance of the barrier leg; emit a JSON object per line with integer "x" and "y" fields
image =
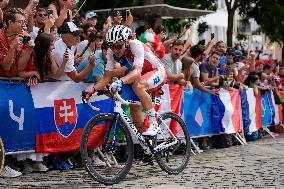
{"x": 238, "y": 139}
{"x": 242, "y": 138}
{"x": 269, "y": 132}
{"x": 193, "y": 152}
{"x": 195, "y": 147}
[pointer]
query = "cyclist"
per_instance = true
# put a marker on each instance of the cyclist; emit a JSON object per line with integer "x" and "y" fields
{"x": 143, "y": 71}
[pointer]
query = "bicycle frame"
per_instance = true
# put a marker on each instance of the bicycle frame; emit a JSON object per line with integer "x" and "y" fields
{"x": 119, "y": 112}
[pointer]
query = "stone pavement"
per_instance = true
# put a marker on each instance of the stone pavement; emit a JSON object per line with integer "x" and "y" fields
{"x": 256, "y": 165}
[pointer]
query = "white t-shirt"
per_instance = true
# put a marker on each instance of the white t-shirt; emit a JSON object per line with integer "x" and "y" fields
{"x": 34, "y": 33}
{"x": 58, "y": 53}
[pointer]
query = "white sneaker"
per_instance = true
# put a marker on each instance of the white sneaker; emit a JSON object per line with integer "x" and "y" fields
{"x": 39, "y": 167}
{"x": 97, "y": 162}
{"x": 9, "y": 172}
{"x": 152, "y": 130}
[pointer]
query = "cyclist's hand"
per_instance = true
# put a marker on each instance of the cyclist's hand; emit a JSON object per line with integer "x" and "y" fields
{"x": 117, "y": 85}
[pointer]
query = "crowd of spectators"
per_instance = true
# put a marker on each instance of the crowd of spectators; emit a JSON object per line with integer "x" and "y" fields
{"x": 56, "y": 43}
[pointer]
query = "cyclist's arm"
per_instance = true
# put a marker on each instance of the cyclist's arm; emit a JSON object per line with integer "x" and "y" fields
{"x": 100, "y": 85}
{"x": 132, "y": 76}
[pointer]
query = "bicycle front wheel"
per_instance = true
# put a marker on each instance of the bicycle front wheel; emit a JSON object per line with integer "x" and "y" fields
{"x": 174, "y": 158}
{"x": 2, "y": 156}
{"x": 107, "y": 155}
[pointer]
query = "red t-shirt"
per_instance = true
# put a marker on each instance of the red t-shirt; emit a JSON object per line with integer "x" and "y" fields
{"x": 30, "y": 65}
{"x": 4, "y": 47}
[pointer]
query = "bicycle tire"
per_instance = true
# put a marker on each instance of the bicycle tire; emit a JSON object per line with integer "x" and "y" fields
{"x": 2, "y": 156}
{"x": 93, "y": 171}
{"x": 185, "y": 148}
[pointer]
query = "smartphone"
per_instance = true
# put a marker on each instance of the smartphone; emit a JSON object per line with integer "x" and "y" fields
{"x": 127, "y": 13}
{"x": 49, "y": 12}
{"x": 212, "y": 35}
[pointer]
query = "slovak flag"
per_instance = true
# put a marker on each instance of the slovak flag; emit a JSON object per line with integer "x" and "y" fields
{"x": 61, "y": 116}
{"x": 65, "y": 114}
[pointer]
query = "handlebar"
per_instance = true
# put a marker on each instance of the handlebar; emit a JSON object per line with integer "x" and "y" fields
{"x": 86, "y": 95}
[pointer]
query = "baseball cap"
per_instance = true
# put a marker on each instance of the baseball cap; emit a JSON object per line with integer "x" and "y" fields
{"x": 230, "y": 51}
{"x": 91, "y": 15}
{"x": 70, "y": 27}
{"x": 116, "y": 13}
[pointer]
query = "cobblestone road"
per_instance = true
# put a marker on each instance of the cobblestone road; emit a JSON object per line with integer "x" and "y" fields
{"x": 256, "y": 165}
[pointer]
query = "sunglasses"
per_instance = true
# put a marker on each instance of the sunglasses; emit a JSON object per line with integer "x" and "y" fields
{"x": 116, "y": 47}
{"x": 42, "y": 15}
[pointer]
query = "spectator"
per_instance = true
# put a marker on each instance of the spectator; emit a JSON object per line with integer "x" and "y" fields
{"x": 159, "y": 48}
{"x": 44, "y": 61}
{"x": 173, "y": 64}
{"x": 42, "y": 22}
{"x": 3, "y": 5}
{"x": 209, "y": 71}
{"x": 196, "y": 53}
{"x": 14, "y": 55}
{"x": 65, "y": 48}
{"x": 62, "y": 11}
{"x": 220, "y": 48}
{"x": 92, "y": 18}
{"x": 230, "y": 54}
{"x": 95, "y": 46}
{"x": 117, "y": 17}
{"x": 87, "y": 28}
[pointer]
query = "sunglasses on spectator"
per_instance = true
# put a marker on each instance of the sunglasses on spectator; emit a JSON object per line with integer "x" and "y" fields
{"x": 42, "y": 15}
{"x": 116, "y": 47}
{"x": 231, "y": 54}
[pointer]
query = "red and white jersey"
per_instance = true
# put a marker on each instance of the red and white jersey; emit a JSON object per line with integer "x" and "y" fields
{"x": 139, "y": 55}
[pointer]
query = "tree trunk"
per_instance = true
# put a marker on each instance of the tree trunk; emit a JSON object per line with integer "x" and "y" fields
{"x": 231, "y": 14}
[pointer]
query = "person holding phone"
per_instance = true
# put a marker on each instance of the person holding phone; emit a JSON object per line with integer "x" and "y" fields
{"x": 62, "y": 11}
{"x": 70, "y": 38}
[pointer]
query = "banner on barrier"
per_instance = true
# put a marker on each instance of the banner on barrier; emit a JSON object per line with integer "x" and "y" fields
{"x": 49, "y": 117}
{"x": 53, "y": 116}
{"x": 17, "y": 115}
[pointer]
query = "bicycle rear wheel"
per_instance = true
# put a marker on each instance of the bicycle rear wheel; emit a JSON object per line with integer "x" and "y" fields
{"x": 106, "y": 162}
{"x": 2, "y": 156}
{"x": 174, "y": 158}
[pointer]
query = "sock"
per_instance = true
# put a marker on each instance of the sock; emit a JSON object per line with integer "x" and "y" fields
{"x": 151, "y": 115}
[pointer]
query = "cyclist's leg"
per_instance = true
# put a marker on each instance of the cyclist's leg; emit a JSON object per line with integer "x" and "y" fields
{"x": 149, "y": 81}
{"x": 137, "y": 116}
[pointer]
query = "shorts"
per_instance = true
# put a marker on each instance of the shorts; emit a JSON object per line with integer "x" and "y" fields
{"x": 156, "y": 78}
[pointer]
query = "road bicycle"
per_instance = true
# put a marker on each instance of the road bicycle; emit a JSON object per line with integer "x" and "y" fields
{"x": 111, "y": 137}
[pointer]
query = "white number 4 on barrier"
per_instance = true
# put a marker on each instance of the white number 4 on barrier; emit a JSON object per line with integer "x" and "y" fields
{"x": 20, "y": 120}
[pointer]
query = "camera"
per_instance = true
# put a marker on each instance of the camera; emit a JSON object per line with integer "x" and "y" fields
{"x": 26, "y": 39}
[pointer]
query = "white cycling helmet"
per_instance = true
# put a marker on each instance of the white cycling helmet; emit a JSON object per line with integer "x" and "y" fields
{"x": 118, "y": 33}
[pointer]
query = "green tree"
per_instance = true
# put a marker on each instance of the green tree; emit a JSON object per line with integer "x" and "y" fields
{"x": 269, "y": 14}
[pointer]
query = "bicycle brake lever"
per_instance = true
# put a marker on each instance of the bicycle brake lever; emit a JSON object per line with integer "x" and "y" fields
{"x": 85, "y": 96}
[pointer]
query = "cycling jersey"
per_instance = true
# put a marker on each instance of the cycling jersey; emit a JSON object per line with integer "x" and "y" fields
{"x": 140, "y": 55}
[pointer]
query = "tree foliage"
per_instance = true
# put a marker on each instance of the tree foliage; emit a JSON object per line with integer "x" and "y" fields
{"x": 269, "y": 14}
